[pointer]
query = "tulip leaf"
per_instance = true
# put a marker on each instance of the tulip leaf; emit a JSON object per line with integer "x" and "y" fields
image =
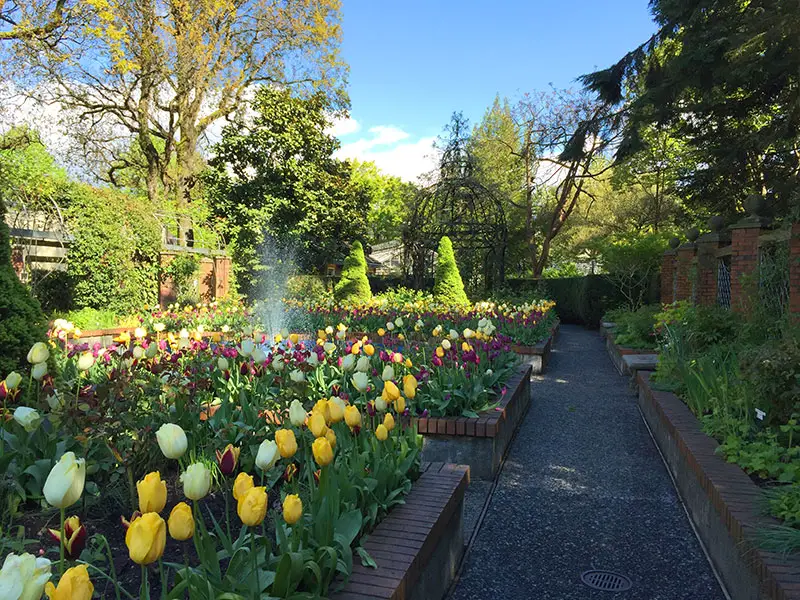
{"x": 366, "y": 559}
{"x": 349, "y": 525}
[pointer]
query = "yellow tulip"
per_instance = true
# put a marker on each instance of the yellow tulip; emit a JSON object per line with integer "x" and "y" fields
{"x": 323, "y": 453}
{"x": 331, "y": 437}
{"x": 439, "y": 351}
{"x": 397, "y": 358}
{"x": 381, "y": 432}
{"x": 287, "y": 443}
{"x": 369, "y": 349}
{"x": 146, "y": 538}
{"x": 336, "y": 407}
{"x": 294, "y": 338}
{"x": 408, "y": 363}
{"x": 317, "y": 425}
{"x": 400, "y": 405}
{"x": 388, "y": 421}
{"x": 242, "y": 485}
{"x": 152, "y": 493}
{"x": 392, "y": 391}
{"x": 465, "y": 346}
{"x": 352, "y": 417}
{"x": 252, "y": 507}
{"x": 73, "y": 585}
{"x": 181, "y": 522}
{"x": 292, "y": 509}
{"x": 410, "y": 386}
{"x": 356, "y": 348}
{"x": 381, "y": 332}
{"x": 323, "y": 408}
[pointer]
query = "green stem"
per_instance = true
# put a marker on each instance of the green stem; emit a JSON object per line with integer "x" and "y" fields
{"x": 111, "y": 564}
{"x": 255, "y": 562}
{"x": 163, "y": 579}
{"x": 227, "y": 508}
{"x": 144, "y": 592}
{"x": 132, "y": 488}
{"x": 61, "y": 545}
{"x": 113, "y": 579}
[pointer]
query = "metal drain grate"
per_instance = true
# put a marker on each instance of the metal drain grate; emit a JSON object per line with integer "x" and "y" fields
{"x": 608, "y": 581}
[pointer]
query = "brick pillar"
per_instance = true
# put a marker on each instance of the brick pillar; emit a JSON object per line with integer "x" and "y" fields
{"x": 222, "y": 268}
{"x": 744, "y": 262}
{"x": 667, "y": 274}
{"x": 708, "y": 267}
{"x": 794, "y": 272}
{"x": 684, "y": 265}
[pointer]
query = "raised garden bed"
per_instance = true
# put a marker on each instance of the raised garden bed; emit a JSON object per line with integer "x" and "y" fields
{"x": 618, "y": 356}
{"x": 418, "y": 546}
{"x": 724, "y": 504}
{"x": 539, "y": 355}
{"x": 479, "y": 442}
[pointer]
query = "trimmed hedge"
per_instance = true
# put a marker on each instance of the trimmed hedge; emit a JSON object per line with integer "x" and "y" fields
{"x": 448, "y": 289}
{"x": 354, "y": 285}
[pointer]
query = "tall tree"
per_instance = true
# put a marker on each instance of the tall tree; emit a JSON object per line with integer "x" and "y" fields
{"x": 724, "y": 77}
{"x": 274, "y": 176}
{"x": 389, "y": 199}
{"x": 164, "y": 71}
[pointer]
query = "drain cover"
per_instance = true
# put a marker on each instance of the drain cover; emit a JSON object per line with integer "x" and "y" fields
{"x": 607, "y": 581}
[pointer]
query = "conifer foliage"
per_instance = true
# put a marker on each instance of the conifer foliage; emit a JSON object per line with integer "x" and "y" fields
{"x": 353, "y": 287}
{"x": 448, "y": 287}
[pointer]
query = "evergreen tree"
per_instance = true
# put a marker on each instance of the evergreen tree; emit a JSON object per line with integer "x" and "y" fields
{"x": 448, "y": 287}
{"x": 22, "y": 322}
{"x": 353, "y": 287}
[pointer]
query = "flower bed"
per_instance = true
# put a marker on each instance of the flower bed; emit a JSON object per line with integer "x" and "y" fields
{"x": 538, "y": 356}
{"x": 479, "y": 441}
{"x": 724, "y": 504}
{"x": 618, "y": 354}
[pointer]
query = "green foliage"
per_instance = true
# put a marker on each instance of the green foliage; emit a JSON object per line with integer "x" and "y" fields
{"x": 113, "y": 260}
{"x": 772, "y": 371}
{"x": 448, "y": 287}
{"x": 400, "y": 296}
{"x": 182, "y": 270}
{"x": 22, "y": 322}
{"x": 309, "y": 288}
{"x": 561, "y": 270}
{"x": 784, "y": 503}
{"x": 353, "y": 287}
{"x": 634, "y": 329}
{"x": 286, "y": 188}
{"x": 90, "y": 318}
{"x": 389, "y": 199}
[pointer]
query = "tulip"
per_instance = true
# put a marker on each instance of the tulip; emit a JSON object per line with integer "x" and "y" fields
{"x": 465, "y": 347}
{"x": 24, "y": 577}
{"x": 390, "y": 326}
{"x": 397, "y": 358}
{"x": 398, "y": 321}
{"x": 196, "y": 481}
{"x": 159, "y": 327}
{"x": 64, "y": 484}
{"x": 446, "y": 344}
{"x": 329, "y": 330}
{"x": 73, "y": 585}
{"x": 12, "y": 381}
{"x": 246, "y": 347}
{"x": 380, "y": 403}
{"x": 352, "y": 417}
{"x": 316, "y": 423}
{"x": 222, "y": 363}
{"x": 39, "y": 370}
{"x": 381, "y": 332}
{"x": 336, "y": 407}
{"x": 287, "y": 443}
{"x": 152, "y": 493}
{"x": 297, "y": 414}
{"x": 410, "y": 386}
{"x": 172, "y": 440}
{"x": 227, "y": 459}
{"x": 360, "y": 381}
{"x": 468, "y": 333}
{"x": 381, "y": 432}
{"x": 388, "y": 373}
{"x": 323, "y": 453}
{"x": 73, "y": 538}
{"x": 391, "y": 390}
{"x": 292, "y": 509}
{"x": 362, "y": 364}
{"x": 453, "y": 334}
{"x": 38, "y": 353}
{"x": 252, "y": 507}
{"x": 331, "y": 437}
{"x": 241, "y": 485}
{"x": 181, "y": 522}
{"x": 322, "y": 407}
{"x": 369, "y": 349}
{"x": 258, "y": 355}
{"x": 348, "y": 362}
{"x": 267, "y": 455}
{"x": 313, "y": 359}
{"x": 146, "y": 538}
{"x": 151, "y": 351}
{"x": 297, "y": 376}
{"x": 388, "y": 422}
{"x": 356, "y": 348}
{"x": 400, "y": 405}
{"x": 329, "y": 347}
{"x": 294, "y": 338}
{"x": 29, "y": 418}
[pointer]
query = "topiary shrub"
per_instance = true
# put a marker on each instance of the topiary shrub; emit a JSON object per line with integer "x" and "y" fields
{"x": 22, "y": 322}
{"x": 353, "y": 287}
{"x": 306, "y": 287}
{"x": 448, "y": 287}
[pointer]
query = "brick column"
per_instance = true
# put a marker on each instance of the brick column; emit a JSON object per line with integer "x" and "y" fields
{"x": 708, "y": 267}
{"x": 794, "y": 272}
{"x": 744, "y": 262}
{"x": 668, "y": 273}
{"x": 222, "y": 267}
{"x": 683, "y": 264}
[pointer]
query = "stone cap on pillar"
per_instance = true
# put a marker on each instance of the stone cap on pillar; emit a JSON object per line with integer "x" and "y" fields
{"x": 673, "y": 246}
{"x": 756, "y": 219}
{"x": 718, "y": 234}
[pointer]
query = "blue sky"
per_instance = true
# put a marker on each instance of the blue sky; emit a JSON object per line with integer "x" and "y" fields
{"x": 413, "y": 62}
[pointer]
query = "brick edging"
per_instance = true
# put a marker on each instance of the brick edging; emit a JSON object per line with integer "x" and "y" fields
{"x": 486, "y": 424}
{"x": 543, "y": 347}
{"x": 403, "y": 543}
{"x": 719, "y": 496}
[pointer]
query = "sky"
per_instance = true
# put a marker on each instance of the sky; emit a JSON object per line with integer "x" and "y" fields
{"x": 414, "y": 62}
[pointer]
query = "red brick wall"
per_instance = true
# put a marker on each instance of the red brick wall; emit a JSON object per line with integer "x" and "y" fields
{"x": 667, "y": 270}
{"x": 707, "y": 273}
{"x": 684, "y": 265}
{"x": 794, "y": 271}
{"x": 744, "y": 266}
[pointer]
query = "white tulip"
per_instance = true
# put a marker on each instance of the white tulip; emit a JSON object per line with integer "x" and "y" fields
{"x": 258, "y": 355}
{"x": 329, "y": 347}
{"x": 23, "y": 577}
{"x": 64, "y": 484}
{"x": 297, "y": 414}
{"x": 138, "y": 353}
{"x": 362, "y": 364}
{"x": 267, "y": 455}
{"x": 13, "y": 380}
{"x": 453, "y": 334}
{"x": 348, "y": 362}
{"x": 196, "y": 481}
{"x": 361, "y": 381}
{"x": 446, "y": 344}
{"x": 172, "y": 440}
{"x": 277, "y": 363}
{"x": 222, "y": 363}
{"x": 398, "y": 321}
{"x": 313, "y": 359}
{"x": 27, "y": 417}
{"x": 390, "y": 326}
{"x": 388, "y": 373}
{"x": 39, "y": 370}
{"x": 297, "y": 376}
{"x": 38, "y": 353}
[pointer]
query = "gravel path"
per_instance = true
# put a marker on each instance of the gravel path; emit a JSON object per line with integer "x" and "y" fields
{"x": 583, "y": 487}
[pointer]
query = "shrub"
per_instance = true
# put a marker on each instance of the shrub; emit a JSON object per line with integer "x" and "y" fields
{"x": 113, "y": 260}
{"x": 22, "y": 322}
{"x": 353, "y": 287}
{"x": 306, "y": 287}
{"x": 448, "y": 287}
{"x": 182, "y": 271}
{"x": 635, "y": 328}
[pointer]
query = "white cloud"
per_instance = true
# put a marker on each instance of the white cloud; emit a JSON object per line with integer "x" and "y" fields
{"x": 392, "y": 150}
{"x": 342, "y": 126}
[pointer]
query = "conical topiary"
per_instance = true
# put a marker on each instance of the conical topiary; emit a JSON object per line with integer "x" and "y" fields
{"x": 353, "y": 287}
{"x": 448, "y": 287}
{"x": 22, "y": 322}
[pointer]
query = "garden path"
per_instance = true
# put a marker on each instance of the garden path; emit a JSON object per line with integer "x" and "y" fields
{"x": 583, "y": 487}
